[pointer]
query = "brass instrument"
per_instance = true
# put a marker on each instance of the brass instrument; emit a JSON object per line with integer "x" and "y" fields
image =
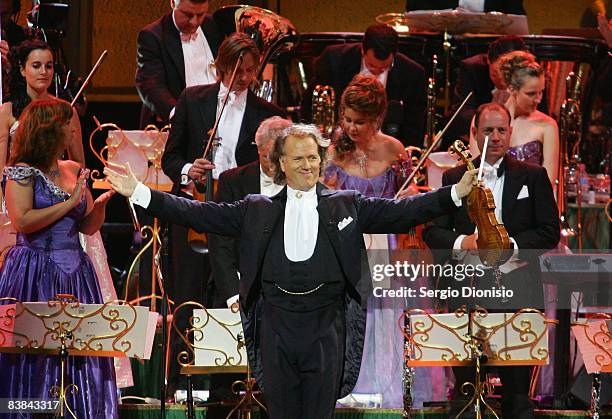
{"x": 324, "y": 109}
{"x": 570, "y": 136}
{"x": 272, "y": 33}
{"x": 430, "y": 128}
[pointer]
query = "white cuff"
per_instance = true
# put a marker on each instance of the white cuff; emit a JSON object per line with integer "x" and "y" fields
{"x": 458, "y": 253}
{"x": 185, "y": 174}
{"x": 232, "y": 300}
{"x": 171, "y": 113}
{"x": 141, "y": 196}
{"x": 455, "y": 197}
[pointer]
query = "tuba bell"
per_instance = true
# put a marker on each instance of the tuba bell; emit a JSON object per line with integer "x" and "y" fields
{"x": 272, "y": 33}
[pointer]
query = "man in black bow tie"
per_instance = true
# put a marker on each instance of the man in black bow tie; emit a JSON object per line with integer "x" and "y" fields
{"x": 525, "y": 204}
{"x": 304, "y": 276}
{"x": 174, "y": 52}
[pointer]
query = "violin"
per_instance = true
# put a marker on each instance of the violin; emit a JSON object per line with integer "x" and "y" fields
{"x": 203, "y": 192}
{"x": 494, "y": 247}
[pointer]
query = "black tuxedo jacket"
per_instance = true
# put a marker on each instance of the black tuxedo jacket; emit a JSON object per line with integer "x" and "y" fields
{"x": 514, "y": 7}
{"x": 253, "y": 220}
{"x": 160, "y": 75}
{"x": 195, "y": 114}
{"x": 234, "y": 185}
{"x": 533, "y": 221}
{"x": 406, "y": 88}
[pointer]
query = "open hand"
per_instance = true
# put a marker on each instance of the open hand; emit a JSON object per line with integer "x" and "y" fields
{"x": 122, "y": 183}
{"x": 79, "y": 188}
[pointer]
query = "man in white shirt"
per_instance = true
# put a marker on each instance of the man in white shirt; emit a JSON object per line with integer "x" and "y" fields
{"x": 174, "y": 52}
{"x": 235, "y": 184}
{"x": 304, "y": 282}
{"x": 525, "y": 204}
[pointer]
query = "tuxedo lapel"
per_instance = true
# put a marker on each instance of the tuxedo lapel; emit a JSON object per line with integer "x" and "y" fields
{"x": 249, "y": 118}
{"x": 208, "y": 109}
{"x": 327, "y": 221}
{"x": 351, "y": 64}
{"x": 172, "y": 42}
{"x": 514, "y": 179}
{"x": 251, "y": 179}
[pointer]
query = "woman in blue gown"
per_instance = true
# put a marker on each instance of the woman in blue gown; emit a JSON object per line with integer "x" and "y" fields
{"x": 49, "y": 204}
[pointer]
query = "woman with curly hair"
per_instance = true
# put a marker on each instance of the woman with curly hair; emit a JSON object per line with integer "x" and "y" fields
{"x": 362, "y": 158}
{"x": 535, "y": 135}
{"x": 48, "y": 204}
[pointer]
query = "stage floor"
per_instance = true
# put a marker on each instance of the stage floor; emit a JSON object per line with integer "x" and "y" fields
{"x": 132, "y": 411}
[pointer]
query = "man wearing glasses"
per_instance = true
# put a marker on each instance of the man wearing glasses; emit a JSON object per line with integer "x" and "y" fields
{"x": 377, "y": 56}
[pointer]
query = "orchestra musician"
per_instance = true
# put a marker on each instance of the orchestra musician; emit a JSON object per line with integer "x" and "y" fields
{"x": 535, "y": 135}
{"x": 377, "y": 56}
{"x": 525, "y": 204}
{"x": 174, "y": 52}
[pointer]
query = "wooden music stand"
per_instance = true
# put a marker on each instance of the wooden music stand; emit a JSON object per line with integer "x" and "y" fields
{"x": 64, "y": 327}
{"x": 473, "y": 339}
{"x": 215, "y": 345}
{"x": 595, "y": 344}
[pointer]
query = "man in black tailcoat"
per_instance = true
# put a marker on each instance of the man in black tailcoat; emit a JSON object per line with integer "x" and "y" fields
{"x": 305, "y": 279}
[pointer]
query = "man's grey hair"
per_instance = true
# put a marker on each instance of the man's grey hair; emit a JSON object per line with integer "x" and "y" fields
{"x": 270, "y": 129}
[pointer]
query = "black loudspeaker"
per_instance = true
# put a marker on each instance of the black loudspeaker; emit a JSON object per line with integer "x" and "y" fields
{"x": 581, "y": 389}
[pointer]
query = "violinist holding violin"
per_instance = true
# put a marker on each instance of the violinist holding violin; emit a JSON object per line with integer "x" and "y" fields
{"x": 525, "y": 204}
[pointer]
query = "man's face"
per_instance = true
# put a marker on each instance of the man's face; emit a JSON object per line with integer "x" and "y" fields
{"x": 301, "y": 162}
{"x": 189, "y": 15}
{"x": 245, "y": 75}
{"x": 374, "y": 65}
{"x": 496, "y": 125}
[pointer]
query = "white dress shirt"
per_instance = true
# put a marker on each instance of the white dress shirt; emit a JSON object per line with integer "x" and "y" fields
{"x": 198, "y": 59}
{"x": 267, "y": 186}
{"x": 229, "y": 129}
{"x": 301, "y": 224}
{"x": 382, "y": 77}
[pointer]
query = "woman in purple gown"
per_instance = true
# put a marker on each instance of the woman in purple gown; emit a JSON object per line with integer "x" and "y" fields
{"x": 535, "y": 135}
{"x": 362, "y": 158}
{"x": 49, "y": 204}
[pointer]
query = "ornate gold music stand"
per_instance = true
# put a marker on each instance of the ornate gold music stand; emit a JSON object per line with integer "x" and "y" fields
{"x": 471, "y": 339}
{"x": 64, "y": 327}
{"x": 143, "y": 151}
{"x": 595, "y": 344}
{"x": 215, "y": 345}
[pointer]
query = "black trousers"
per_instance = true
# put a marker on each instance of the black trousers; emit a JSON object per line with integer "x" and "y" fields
{"x": 302, "y": 357}
{"x": 515, "y": 391}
